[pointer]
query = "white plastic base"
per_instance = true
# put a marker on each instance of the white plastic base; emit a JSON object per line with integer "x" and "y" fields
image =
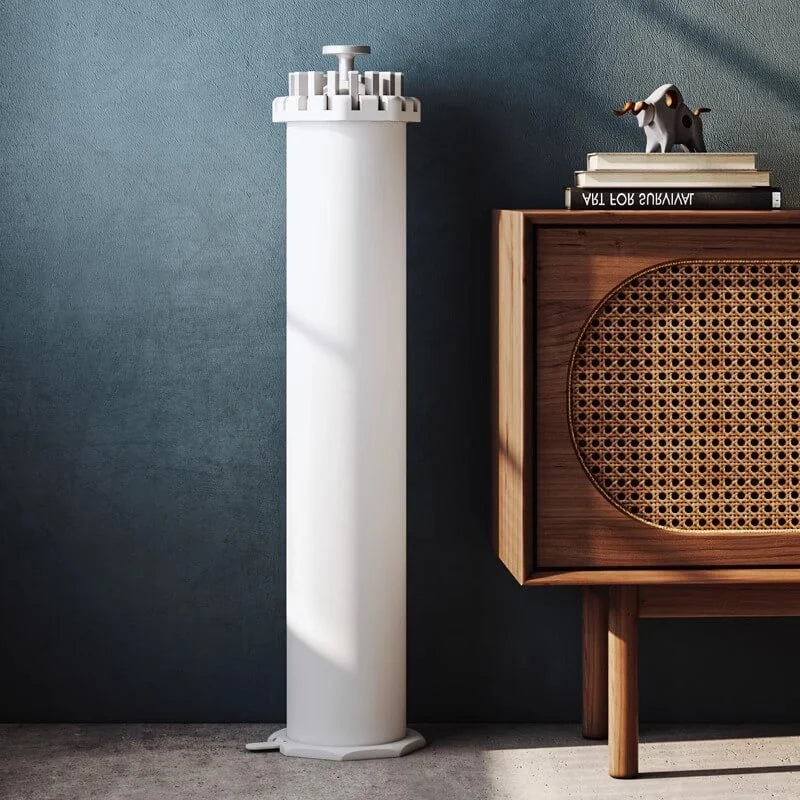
{"x": 279, "y": 741}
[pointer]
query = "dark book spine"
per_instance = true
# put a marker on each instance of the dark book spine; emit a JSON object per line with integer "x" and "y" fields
{"x": 663, "y": 199}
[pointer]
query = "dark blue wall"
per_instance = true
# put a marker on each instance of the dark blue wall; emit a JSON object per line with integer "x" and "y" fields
{"x": 142, "y": 339}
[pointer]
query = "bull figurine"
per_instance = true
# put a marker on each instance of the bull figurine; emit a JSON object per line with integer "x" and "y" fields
{"x": 667, "y": 120}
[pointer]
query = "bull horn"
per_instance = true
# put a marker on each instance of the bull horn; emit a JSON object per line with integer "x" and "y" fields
{"x": 671, "y": 98}
{"x": 698, "y": 111}
{"x": 640, "y": 106}
{"x": 628, "y": 106}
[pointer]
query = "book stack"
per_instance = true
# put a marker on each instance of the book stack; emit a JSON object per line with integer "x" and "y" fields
{"x": 671, "y": 182}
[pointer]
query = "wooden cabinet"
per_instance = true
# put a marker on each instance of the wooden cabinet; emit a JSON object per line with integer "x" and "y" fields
{"x": 647, "y": 423}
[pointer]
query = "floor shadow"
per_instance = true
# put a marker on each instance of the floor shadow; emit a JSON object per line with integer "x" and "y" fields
{"x": 525, "y": 736}
{"x": 705, "y": 773}
{"x": 692, "y": 732}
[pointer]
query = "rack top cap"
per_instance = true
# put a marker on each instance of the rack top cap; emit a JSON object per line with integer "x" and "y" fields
{"x": 352, "y": 49}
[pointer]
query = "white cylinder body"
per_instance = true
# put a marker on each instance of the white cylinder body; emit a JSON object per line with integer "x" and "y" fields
{"x": 346, "y": 432}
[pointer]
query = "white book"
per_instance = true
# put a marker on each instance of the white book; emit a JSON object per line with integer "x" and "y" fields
{"x": 695, "y": 179}
{"x": 667, "y": 162}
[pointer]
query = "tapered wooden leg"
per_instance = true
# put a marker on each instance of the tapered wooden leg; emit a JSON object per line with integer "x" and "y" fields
{"x": 623, "y": 682}
{"x": 595, "y": 662}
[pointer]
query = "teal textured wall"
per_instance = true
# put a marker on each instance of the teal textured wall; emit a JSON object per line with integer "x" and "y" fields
{"x": 142, "y": 339}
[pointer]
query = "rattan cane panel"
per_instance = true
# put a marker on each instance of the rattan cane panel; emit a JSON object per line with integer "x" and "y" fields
{"x": 684, "y": 396}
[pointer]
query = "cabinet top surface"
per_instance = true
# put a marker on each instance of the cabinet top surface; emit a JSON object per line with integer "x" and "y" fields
{"x": 563, "y": 217}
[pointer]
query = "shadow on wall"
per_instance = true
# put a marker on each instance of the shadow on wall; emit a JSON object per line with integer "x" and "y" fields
{"x": 754, "y": 68}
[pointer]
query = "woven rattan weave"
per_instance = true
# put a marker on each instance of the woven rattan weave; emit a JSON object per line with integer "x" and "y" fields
{"x": 684, "y": 396}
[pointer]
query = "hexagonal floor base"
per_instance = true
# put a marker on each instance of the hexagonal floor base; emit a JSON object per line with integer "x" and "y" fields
{"x": 280, "y": 741}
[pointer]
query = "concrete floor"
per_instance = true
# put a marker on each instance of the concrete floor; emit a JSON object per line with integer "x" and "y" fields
{"x": 467, "y": 762}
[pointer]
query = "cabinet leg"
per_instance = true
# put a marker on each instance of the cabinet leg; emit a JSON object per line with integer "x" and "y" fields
{"x": 623, "y": 682}
{"x": 594, "y": 640}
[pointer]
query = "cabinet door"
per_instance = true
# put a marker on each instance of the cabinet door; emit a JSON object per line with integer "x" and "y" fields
{"x": 668, "y": 401}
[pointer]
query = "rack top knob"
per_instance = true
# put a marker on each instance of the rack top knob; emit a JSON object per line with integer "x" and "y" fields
{"x": 347, "y": 55}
